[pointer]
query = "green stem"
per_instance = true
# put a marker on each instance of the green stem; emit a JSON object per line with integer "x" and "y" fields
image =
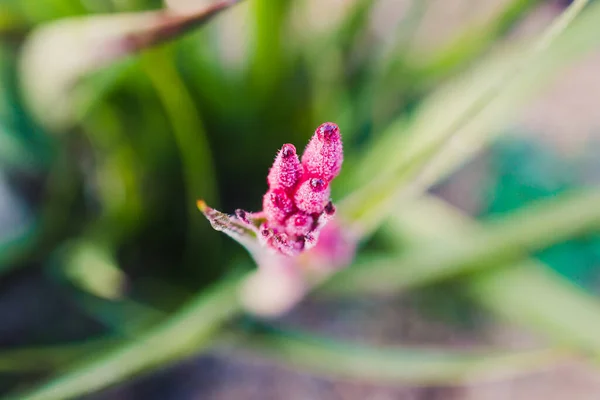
{"x": 392, "y": 365}
{"x": 41, "y": 359}
{"x": 268, "y": 56}
{"x": 188, "y": 331}
{"x": 424, "y": 150}
{"x": 472, "y": 42}
{"x": 526, "y": 292}
{"x": 191, "y": 139}
{"x": 507, "y": 240}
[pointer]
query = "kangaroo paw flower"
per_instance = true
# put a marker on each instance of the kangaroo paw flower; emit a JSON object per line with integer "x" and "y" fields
{"x": 297, "y": 204}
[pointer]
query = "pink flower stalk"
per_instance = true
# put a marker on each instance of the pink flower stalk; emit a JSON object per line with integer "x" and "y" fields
{"x": 296, "y": 216}
{"x": 297, "y": 204}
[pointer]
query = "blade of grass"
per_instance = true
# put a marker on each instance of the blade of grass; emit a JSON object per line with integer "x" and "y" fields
{"x": 191, "y": 138}
{"x": 331, "y": 100}
{"x": 88, "y": 43}
{"x": 408, "y": 71}
{"x": 538, "y": 298}
{"x": 470, "y": 43}
{"x": 497, "y": 243}
{"x": 189, "y": 330}
{"x": 392, "y": 365}
{"x": 40, "y": 359}
{"x": 398, "y": 160}
{"x": 268, "y": 55}
{"x": 188, "y": 130}
{"x": 526, "y": 292}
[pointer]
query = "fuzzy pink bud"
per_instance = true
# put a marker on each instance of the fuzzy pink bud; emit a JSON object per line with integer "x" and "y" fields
{"x": 312, "y": 195}
{"x": 299, "y": 224}
{"x": 286, "y": 170}
{"x": 323, "y": 155}
{"x": 286, "y": 245}
{"x": 277, "y": 205}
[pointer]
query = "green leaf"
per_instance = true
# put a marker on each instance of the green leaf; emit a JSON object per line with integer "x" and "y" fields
{"x": 389, "y": 365}
{"x": 91, "y": 267}
{"x": 455, "y": 122}
{"x": 536, "y": 297}
{"x": 181, "y": 335}
{"x": 495, "y": 243}
{"x": 525, "y": 291}
{"x": 41, "y": 359}
{"x": 471, "y": 42}
{"x": 56, "y": 56}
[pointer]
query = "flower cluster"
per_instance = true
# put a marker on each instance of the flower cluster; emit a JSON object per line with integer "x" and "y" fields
{"x": 297, "y": 204}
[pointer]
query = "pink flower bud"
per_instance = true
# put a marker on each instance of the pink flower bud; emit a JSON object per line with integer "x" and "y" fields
{"x": 286, "y": 170}
{"x": 277, "y": 205}
{"x": 312, "y": 195}
{"x": 286, "y": 245}
{"x": 299, "y": 224}
{"x": 323, "y": 155}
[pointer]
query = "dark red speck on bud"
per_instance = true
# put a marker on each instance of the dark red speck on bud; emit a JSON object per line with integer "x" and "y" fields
{"x": 241, "y": 214}
{"x": 299, "y": 224}
{"x": 329, "y": 208}
{"x": 288, "y": 150}
{"x": 328, "y": 131}
{"x": 312, "y": 196}
{"x": 317, "y": 184}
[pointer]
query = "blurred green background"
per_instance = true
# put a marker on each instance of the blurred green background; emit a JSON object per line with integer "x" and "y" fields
{"x": 117, "y": 115}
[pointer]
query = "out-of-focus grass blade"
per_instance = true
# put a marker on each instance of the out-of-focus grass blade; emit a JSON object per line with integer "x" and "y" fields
{"x": 526, "y": 292}
{"x": 393, "y": 365}
{"x": 57, "y": 55}
{"x": 331, "y": 100}
{"x": 190, "y": 137}
{"x": 42, "y": 359}
{"x": 269, "y": 57}
{"x": 188, "y": 129}
{"x": 470, "y": 43}
{"x": 184, "y": 333}
{"x": 538, "y": 298}
{"x": 407, "y": 68}
{"x": 18, "y": 146}
{"x": 497, "y": 243}
{"x": 463, "y": 116}
{"x": 91, "y": 267}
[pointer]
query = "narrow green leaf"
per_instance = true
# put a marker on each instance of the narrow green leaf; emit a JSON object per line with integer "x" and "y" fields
{"x": 413, "y": 154}
{"x": 393, "y": 365}
{"x": 93, "y": 268}
{"x": 184, "y": 333}
{"x": 57, "y": 55}
{"x": 495, "y": 243}
{"x": 268, "y": 55}
{"x": 526, "y": 292}
{"x": 471, "y": 42}
{"x": 42, "y": 359}
{"x": 534, "y": 296}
